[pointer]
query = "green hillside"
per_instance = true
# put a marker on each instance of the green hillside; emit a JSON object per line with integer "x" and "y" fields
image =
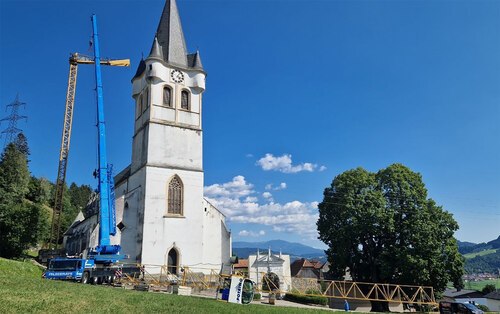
{"x": 480, "y": 253}
{"x": 22, "y": 290}
{"x": 481, "y": 257}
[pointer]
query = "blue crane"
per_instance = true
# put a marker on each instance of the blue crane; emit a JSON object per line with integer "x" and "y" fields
{"x": 101, "y": 262}
{"x": 107, "y": 221}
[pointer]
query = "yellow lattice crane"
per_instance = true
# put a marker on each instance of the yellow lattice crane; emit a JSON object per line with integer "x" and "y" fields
{"x": 74, "y": 60}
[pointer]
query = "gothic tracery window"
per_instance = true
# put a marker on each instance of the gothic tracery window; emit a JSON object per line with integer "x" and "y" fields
{"x": 167, "y": 96}
{"x": 175, "y": 196}
{"x": 185, "y": 100}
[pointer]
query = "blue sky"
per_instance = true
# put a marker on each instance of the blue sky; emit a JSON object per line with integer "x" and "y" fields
{"x": 297, "y": 92}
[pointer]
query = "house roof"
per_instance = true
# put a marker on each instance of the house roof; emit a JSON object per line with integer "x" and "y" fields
{"x": 495, "y": 295}
{"x": 242, "y": 263}
{"x": 297, "y": 265}
{"x": 454, "y": 293}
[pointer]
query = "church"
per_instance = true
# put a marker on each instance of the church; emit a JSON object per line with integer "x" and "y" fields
{"x": 161, "y": 214}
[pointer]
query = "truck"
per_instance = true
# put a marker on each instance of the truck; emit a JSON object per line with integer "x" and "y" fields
{"x": 101, "y": 262}
{"x": 86, "y": 271}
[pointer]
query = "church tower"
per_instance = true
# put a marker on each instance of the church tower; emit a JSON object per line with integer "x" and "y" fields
{"x": 166, "y": 220}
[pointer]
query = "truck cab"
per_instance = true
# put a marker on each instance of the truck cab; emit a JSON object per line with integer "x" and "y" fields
{"x": 66, "y": 268}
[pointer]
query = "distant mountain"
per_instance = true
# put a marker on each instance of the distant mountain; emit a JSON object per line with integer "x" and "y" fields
{"x": 465, "y": 244}
{"x": 486, "y": 257}
{"x": 295, "y": 250}
{"x": 469, "y": 247}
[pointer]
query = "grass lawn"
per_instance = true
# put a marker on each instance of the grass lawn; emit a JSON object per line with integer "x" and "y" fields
{"x": 479, "y": 285}
{"x": 484, "y": 252}
{"x": 22, "y": 290}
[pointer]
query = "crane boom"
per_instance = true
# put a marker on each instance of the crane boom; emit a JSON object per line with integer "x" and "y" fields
{"x": 63, "y": 154}
{"x": 74, "y": 60}
{"x": 105, "y": 227}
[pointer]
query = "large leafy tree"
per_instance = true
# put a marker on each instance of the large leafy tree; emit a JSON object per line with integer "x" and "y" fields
{"x": 382, "y": 227}
{"x": 20, "y": 219}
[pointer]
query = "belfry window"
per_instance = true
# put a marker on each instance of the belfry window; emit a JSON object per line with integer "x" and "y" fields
{"x": 167, "y": 96}
{"x": 185, "y": 100}
{"x": 175, "y": 196}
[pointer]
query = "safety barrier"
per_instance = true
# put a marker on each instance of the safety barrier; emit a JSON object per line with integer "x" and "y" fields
{"x": 205, "y": 279}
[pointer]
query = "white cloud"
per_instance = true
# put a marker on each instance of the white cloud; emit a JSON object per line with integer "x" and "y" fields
{"x": 246, "y": 233}
{"x": 236, "y": 188}
{"x": 267, "y": 195}
{"x": 234, "y": 200}
{"x": 283, "y": 164}
{"x": 249, "y": 155}
{"x": 250, "y": 199}
{"x": 322, "y": 168}
{"x": 281, "y": 186}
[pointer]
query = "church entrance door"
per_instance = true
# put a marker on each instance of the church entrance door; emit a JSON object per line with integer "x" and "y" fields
{"x": 172, "y": 261}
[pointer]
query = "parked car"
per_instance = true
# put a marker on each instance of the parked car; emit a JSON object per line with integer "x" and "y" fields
{"x": 447, "y": 307}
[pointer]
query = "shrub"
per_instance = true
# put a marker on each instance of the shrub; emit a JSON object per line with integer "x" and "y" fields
{"x": 488, "y": 288}
{"x": 257, "y": 296}
{"x": 312, "y": 291}
{"x": 306, "y": 299}
{"x": 483, "y": 308}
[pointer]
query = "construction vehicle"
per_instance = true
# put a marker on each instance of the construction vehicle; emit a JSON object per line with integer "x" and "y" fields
{"x": 100, "y": 264}
{"x": 52, "y": 246}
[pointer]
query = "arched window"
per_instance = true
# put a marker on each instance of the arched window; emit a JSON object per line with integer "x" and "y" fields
{"x": 175, "y": 196}
{"x": 172, "y": 261}
{"x": 185, "y": 100}
{"x": 167, "y": 96}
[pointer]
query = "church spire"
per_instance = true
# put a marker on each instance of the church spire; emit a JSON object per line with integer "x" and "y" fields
{"x": 170, "y": 36}
{"x": 156, "y": 51}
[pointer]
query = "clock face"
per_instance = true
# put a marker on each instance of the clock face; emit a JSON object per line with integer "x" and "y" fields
{"x": 177, "y": 76}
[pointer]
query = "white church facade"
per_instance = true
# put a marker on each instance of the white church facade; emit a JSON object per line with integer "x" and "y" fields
{"x": 161, "y": 214}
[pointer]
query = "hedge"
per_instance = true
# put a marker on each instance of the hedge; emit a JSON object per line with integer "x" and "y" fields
{"x": 306, "y": 299}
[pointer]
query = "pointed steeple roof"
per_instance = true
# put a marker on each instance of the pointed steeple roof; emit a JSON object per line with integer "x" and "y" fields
{"x": 169, "y": 44}
{"x": 170, "y": 36}
{"x": 156, "y": 51}
{"x": 194, "y": 60}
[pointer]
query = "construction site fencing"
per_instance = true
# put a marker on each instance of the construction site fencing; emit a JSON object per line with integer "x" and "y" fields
{"x": 158, "y": 277}
{"x": 208, "y": 280}
{"x": 363, "y": 291}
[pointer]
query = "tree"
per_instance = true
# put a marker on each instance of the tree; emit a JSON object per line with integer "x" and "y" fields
{"x": 79, "y": 195}
{"x": 21, "y": 143}
{"x": 39, "y": 190}
{"x": 383, "y": 229}
{"x": 488, "y": 288}
{"x": 19, "y": 219}
{"x": 14, "y": 175}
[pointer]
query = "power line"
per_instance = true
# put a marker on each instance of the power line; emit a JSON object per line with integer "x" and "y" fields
{"x": 11, "y": 131}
